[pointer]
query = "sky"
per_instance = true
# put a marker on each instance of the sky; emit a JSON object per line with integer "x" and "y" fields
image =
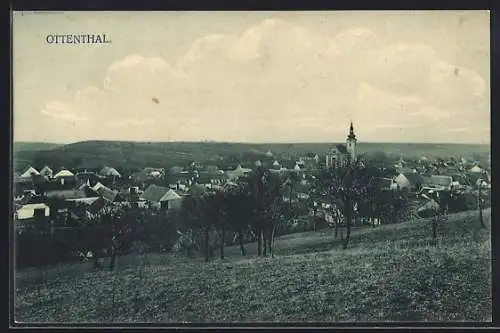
{"x": 414, "y": 76}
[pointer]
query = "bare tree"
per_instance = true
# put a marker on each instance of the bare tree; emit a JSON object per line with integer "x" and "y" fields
{"x": 480, "y": 203}
{"x": 344, "y": 184}
{"x": 239, "y": 213}
{"x": 266, "y": 192}
{"x": 293, "y": 179}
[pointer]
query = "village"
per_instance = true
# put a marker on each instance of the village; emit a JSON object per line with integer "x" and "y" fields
{"x": 51, "y": 200}
{"x": 242, "y": 167}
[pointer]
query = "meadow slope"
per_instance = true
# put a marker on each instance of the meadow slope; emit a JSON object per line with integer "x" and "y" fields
{"x": 390, "y": 273}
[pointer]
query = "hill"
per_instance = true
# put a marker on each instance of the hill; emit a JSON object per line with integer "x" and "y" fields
{"x": 389, "y": 273}
{"x": 24, "y": 153}
{"x": 34, "y": 146}
{"x": 122, "y": 154}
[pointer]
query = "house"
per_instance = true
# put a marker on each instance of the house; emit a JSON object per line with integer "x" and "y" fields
{"x": 215, "y": 178}
{"x": 109, "y": 172}
{"x": 184, "y": 177}
{"x": 336, "y": 156}
{"x": 197, "y": 190}
{"x": 476, "y": 169}
{"x": 441, "y": 183}
{"x": 64, "y": 173}
{"x": 300, "y": 162}
{"x": 108, "y": 194}
{"x": 288, "y": 165}
{"x": 147, "y": 174}
{"x": 65, "y": 176}
{"x": 482, "y": 183}
{"x": 154, "y": 172}
{"x": 100, "y": 190}
{"x": 23, "y": 195}
{"x": 86, "y": 201}
{"x": 423, "y": 159}
{"x": 458, "y": 178}
{"x": 47, "y": 172}
{"x": 163, "y": 197}
{"x": 66, "y": 194}
{"x": 92, "y": 205}
{"x": 474, "y": 177}
{"x": 238, "y": 172}
{"x": 30, "y": 211}
{"x": 176, "y": 170}
{"x": 409, "y": 180}
{"x": 85, "y": 176}
{"x": 426, "y": 178}
{"x": 97, "y": 186}
{"x": 29, "y": 172}
{"x": 179, "y": 187}
{"x": 384, "y": 184}
{"x": 211, "y": 168}
{"x": 406, "y": 170}
{"x": 139, "y": 177}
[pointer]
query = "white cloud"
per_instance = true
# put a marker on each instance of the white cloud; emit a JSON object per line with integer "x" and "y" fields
{"x": 357, "y": 40}
{"x": 274, "y": 75}
{"x": 62, "y": 112}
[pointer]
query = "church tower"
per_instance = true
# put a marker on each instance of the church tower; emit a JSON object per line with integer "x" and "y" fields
{"x": 351, "y": 143}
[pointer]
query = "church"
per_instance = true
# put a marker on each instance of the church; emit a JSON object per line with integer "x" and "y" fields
{"x": 338, "y": 155}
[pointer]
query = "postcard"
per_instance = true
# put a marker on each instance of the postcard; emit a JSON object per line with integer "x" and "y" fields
{"x": 251, "y": 167}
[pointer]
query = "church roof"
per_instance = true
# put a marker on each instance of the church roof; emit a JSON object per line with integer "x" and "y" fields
{"x": 351, "y": 135}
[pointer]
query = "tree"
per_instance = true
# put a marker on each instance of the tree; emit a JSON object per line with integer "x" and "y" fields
{"x": 480, "y": 203}
{"x": 38, "y": 185}
{"x": 266, "y": 192}
{"x": 216, "y": 211}
{"x": 239, "y": 212}
{"x": 191, "y": 213}
{"x": 432, "y": 209}
{"x": 293, "y": 179}
{"x": 380, "y": 158}
{"x": 344, "y": 185}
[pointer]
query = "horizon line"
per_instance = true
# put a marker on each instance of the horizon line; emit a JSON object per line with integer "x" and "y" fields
{"x": 252, "y": 142}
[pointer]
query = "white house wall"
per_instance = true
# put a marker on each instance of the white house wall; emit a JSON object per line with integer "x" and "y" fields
{"x": 402, "y": 181}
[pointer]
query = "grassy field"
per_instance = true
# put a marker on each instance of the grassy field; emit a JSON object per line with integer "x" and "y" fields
{"x": 389, "y": 273}
{"x": 166, "y": 154}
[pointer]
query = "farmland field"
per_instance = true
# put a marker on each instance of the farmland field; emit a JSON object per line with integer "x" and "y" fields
{"x": 388, "y": 273}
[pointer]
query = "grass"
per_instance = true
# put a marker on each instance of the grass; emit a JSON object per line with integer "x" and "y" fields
{"x": 390, "y": 273}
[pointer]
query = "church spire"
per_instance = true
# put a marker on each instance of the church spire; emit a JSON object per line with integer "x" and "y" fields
{"x": 351, "y": 143}
{"x": 351, "y": 132}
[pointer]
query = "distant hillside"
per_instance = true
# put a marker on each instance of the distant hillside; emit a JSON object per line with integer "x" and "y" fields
{"x": 25, "y": 152}
{"x": 165, "y": 154}
{"x": 34, "y": 146}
